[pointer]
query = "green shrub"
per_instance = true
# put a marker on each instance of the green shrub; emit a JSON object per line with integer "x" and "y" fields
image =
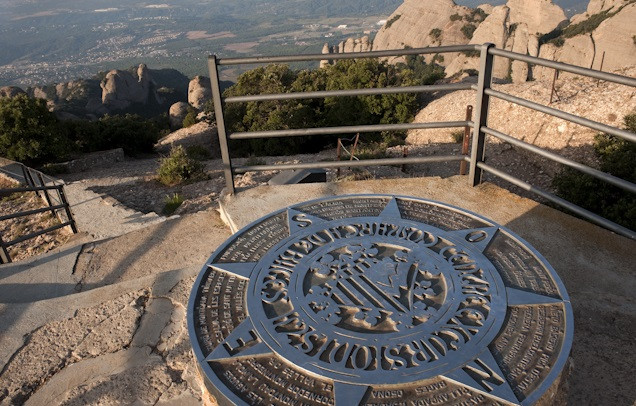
{"x": 330, "y": 111}
{"x": 472, "y": 54}
{"x": 458, "y": 136}
{"x": 617, "y": 157}
{"x": 172, "y": 203}
{"x": 438, "y": 58}
{"x": 392, "y": 20}
{"x": 456, "y": 17}
{"x": 477, "y": 15}
{"x": 435, "y": 34}
{"x": 29, "y": 133}
{"x": 468, "y": 30}
{"x": 190, "y": 119}
{"x": 179, "y": 168}
{"x": 132, "y": 133}
{"x": 198, "y": 152}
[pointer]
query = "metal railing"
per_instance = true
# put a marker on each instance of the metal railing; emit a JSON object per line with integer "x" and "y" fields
{"x": 479, "y": 123}
{"x": 56, "y": 203}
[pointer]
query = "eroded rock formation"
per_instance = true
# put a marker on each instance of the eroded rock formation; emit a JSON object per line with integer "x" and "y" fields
{"x": 199, "y": 92}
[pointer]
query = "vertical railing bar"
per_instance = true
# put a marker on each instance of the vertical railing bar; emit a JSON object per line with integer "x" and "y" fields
{"x": 67, "y": 208}
{"x": 220, "y": 123}
{"x": 463, "y": 165}
{"x": 481, "y": 114}
{"x": 46, "y": 195}
{"x": 24, "y": 174}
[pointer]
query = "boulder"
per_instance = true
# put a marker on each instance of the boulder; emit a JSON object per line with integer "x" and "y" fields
{"x": 202, "y": 134}
{"x": 596, "y": 6}
{"x": 520, "y": 40}
{"x": 412, "y": 22}
{"x": 10, "y": 91}
{"x": 493, "y": 29}
{"x": 325, "y": 50}
{"x": 199, "y": 92}
{"x": 121, "y": 88}
{"x": 177, "y": 113}
{"x": 619, "y": 49}
{"x": 540, "y": 16}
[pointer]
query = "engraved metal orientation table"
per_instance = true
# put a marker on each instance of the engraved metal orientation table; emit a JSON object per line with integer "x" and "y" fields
{"x": 378, "y": 300}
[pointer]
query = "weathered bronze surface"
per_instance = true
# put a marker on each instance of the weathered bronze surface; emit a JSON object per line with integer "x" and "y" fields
{"x": 378, "y": 300}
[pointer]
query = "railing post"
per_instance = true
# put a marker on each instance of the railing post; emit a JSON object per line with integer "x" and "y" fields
{"x": 481, "y": 114}
{"x": 220, "y": 122}
{"x": 46, "y": 194}
{"x": 463, "y": 165}
{"x": 67, "y": 208}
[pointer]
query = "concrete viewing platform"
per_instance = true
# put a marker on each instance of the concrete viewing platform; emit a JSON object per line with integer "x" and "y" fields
{"x": 105, "y": 321}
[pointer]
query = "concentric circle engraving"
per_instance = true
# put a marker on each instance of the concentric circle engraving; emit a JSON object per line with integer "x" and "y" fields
{"x": 376, "y": 300}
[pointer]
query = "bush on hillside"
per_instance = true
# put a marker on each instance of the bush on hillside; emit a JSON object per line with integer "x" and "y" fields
{"x": 132, "y": 133}
{"x": 29, "y": 133}
{"x": 617, "y": 157}
{"x": 179, "y": 168}
{"x": 330, "y": 111}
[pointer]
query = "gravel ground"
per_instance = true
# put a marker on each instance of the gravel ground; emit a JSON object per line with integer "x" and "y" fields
{"x": 133, "y": 182}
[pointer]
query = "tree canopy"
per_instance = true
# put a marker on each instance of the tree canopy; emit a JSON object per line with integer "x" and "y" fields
{"x": 330, "y": 111}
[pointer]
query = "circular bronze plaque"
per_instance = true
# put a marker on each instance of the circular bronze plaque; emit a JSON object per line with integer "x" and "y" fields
{"x": 378, "y": 300}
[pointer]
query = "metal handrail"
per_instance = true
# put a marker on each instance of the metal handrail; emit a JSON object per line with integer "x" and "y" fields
{"x": 479, "y": 123}
{"x": 623, "y": 184}
{"x": 562, "y": 114}
{"x": 566, "y": 67}
{"x": 348, "y": 55}
{"x": 352, "y": 92}
{"x": 30, "y": 177}
{"x": 346, "y": 129}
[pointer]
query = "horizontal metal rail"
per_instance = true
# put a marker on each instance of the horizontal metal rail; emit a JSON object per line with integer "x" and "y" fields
{"x": 623, "y": 184}
{"x": 610, "y": 77}
{"x": 595, "y": 218}
{"x": 562, "y": 114}
{"x": 30, "y": 212}
{"x": 347, "y": 55}
{"x": 347, "y": 164}
{"x": 30, "y": 189}
{"x": 346, "y": 129}
{"x": 351, "y": 92}
{"x": 37, "y": 233}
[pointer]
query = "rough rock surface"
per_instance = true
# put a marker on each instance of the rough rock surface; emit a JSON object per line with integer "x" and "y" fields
{"x": 620, "y": 50}
{"x": 493, "y": 29}
{"x": 540, "y": 16}
{"x": 121, "y": 88}
{"x": 413, "y": 21}
{"x": 596, "y": 6}
{"x": 362, "y": 44}
{"x": 199, "y": 92}
{"x": 603, "y": 102}
{"x": 604, "y": 48}
{"x": 202, "y": 134}
{"x": 177, "y": 113}
{"x": 10, "y": 91}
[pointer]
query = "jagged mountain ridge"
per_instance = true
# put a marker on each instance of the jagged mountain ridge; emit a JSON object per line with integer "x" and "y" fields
{"x": 602, "y": 37}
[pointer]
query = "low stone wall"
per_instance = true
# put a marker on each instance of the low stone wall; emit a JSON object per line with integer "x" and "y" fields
{"x": 95, "y": 159}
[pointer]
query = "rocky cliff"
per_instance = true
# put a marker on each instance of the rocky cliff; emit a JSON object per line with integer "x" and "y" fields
{"x": 601, "y": 101}
{"x": 603, "y": 38}
{"x": 137, "y": 90}
{"x": 605, "y": 33}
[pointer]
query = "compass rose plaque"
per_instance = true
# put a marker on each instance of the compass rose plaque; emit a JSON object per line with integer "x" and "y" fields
{"x": 378, "y": 300}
